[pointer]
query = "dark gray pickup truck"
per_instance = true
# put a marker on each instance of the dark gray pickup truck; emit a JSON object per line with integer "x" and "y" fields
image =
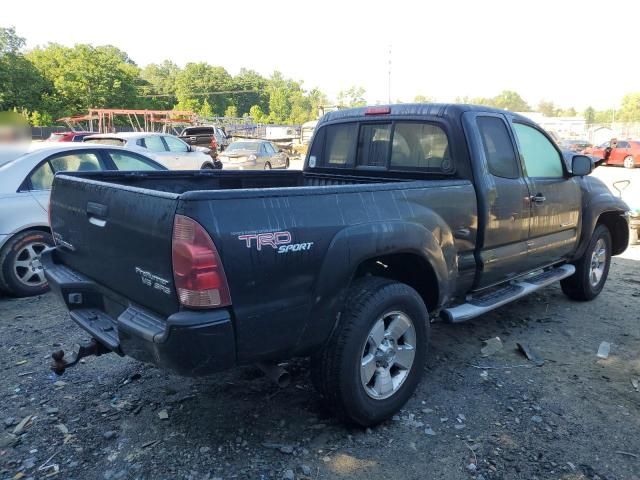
{"x": 401, "y": 216}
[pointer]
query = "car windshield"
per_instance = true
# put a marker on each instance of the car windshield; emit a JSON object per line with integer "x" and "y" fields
{"x": 251, "y": 146}
{"x": 54, "y": 137}
{"x": 118, "y": 142}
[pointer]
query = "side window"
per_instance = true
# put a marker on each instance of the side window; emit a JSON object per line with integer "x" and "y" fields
{"x": 541, "y": 159}
{"x": 42, "y": 177}
{"x": 270, "y": 149}
{"x": 498, "y": 148}
{"x": 128, "y": 161}
{"x": 76, "y": 162}
{"x": 373, "y": 145}
{"x": 154, "y": 143}
{"x": 623, "y": 145}
{"x": 422, "y": 146}
{"x": 176, "y": 145}
{"x": 340, "y": 145}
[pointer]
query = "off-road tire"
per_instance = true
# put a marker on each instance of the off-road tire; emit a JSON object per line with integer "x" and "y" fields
{"x": 335, "y": 370}
{"x": 578, "y": 286}
{"x": 9, "y": 282}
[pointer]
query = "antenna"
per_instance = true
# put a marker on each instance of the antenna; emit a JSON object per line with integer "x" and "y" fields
{"x": 389, "y": 80}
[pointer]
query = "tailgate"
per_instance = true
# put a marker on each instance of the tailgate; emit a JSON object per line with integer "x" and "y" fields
{"x": 118, "y": 236}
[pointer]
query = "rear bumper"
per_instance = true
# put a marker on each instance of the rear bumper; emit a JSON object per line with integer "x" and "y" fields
{"x": 190, "y": 343}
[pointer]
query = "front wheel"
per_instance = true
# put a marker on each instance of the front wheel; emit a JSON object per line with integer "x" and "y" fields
{"x": 592, "y": 268}
{"x": 21, "y": 273}
{"x": 375, "y": 358}
{"x": 629, "y": 162}
{"x": 267, "y": 166}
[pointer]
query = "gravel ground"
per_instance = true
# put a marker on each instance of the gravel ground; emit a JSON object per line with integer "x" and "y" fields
{"x": 472, "y": 417}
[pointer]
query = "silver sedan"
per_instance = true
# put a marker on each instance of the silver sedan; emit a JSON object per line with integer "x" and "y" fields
{"x": 253, "y": 155}
{"x": 26, "y": 176}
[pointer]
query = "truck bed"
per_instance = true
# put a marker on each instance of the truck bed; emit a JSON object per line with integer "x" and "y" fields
{"x": 202, "y": 180}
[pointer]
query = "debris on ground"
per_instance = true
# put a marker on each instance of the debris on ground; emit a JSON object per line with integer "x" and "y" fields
{"x": 530, "y": 354}
{"x": 20, "y": 428}
{"x": 493, "y": 345}
{"x": 603, "y": 350}
{"x": 163, "y": 415}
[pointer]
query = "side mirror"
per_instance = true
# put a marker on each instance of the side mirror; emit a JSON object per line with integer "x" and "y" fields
{"x": 581, "y": 165}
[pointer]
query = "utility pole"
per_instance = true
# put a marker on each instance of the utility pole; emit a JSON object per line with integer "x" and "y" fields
{"x": 389, "y": 80}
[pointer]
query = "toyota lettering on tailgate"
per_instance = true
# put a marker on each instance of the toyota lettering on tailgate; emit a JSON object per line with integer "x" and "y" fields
{"x": 279, "y": 241}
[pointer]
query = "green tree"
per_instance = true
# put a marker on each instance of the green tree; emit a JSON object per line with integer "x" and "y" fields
{"x": 200, "y": 81}
{"x": 250, "y": 89}
{"x": 231, "y": 111}
{"x": 547, "y": 108}
{"x": 510, "y": 100}
{"x": 567, "y": 112}
{"x": 352, "y": 97}
{"x": 589, "y": 115}
{"x": 423, "y": 99}
{"x": 257, "y": 114}
{"x": 85, "y": 77}
{"x": 159, "y": 82}
{"x": 38, "y": 119}
{"x": 205, "y": 109}
{"x": 21, "y": 85}
{"x": 630, "y": 109}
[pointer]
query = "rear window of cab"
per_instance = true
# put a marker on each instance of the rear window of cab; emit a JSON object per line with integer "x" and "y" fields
{"x": 393, "y": 146}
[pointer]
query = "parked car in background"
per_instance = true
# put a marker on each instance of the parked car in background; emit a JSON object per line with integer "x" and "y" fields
{"x": 166, "y": 149}
{"x": 577, "y": 146}
{"x": 68, "y": 136}
{"x": 206, "y": 136}
{"x": 623, "y": 152}
{"x": 253, "y": 155}
{"x": 24, "y": 203}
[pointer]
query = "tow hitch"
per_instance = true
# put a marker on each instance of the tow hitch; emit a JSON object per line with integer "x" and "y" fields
{"x": 87, "y": 349}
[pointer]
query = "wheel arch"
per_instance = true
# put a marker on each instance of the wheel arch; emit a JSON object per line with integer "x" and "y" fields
{"x": 618, "y": 228}
{"x": 409, "y": 268}
{"x": 429, "y": 260}
{"x": 36, "y": 227}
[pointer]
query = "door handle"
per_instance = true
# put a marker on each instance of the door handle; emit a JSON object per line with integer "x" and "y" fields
{"x": 539, "y": 198}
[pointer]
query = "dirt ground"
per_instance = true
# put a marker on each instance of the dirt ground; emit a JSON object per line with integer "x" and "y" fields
{"x": 499, "y": 417}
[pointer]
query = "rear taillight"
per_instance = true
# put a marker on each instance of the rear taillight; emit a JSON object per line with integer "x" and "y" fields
{"x": 197, "y": 269}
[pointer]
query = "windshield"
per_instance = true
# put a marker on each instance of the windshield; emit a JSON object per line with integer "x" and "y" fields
{"x": 251, "y": 146}
{"x": 54, "y": 137}
{"x": 118, "y": 142}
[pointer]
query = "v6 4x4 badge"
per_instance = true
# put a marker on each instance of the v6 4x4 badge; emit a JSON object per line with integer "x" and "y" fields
{"x": 280, "y": 241}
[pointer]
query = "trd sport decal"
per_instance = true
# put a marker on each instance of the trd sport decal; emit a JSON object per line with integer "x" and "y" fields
{"x": 280, "y": 241}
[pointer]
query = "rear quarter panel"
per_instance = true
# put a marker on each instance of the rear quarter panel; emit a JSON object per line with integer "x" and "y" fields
{"x": 285, "y": 300}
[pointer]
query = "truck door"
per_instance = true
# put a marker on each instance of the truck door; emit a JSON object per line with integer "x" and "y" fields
{"x": 503, "y": 199}
{"x": 554, "y": 201}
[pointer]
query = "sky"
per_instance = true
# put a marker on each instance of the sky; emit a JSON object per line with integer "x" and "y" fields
{"x": 575, "y": 53}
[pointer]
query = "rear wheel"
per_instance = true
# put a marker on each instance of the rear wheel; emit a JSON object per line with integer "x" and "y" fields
{"x": 374, "y": 360}
{"x": 267, "y": 166}
{"x": 629, "y": 162}
{"x": 592, "y": 268}
{"x": 286, "y": 163}
{"x": 21, "y": 272}
{"x": 207, "y": 166}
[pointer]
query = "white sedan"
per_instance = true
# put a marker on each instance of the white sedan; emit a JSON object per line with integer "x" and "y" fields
{"x": 166, "y": 149}
{"x": 26, "y": 176}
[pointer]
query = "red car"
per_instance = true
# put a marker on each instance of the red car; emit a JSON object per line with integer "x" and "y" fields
{"x": 68, "y": 136}
{"x": 626, "y": 152}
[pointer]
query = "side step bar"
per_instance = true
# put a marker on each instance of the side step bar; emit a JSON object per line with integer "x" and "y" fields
{"x": 486, "y": 302}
